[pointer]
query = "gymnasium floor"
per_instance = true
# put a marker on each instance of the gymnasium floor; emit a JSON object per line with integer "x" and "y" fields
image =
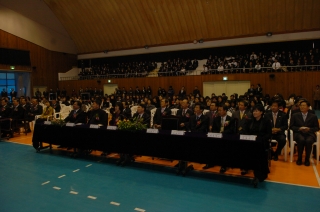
{"x": 31, "y": 181}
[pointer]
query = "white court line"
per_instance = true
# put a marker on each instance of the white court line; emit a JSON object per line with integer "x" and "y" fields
{"x": 292, "y": 184}
{"x": 45, "y": 183}
{"x": 92, "y": 197}
{"x": 139, "y": 209}
{"x": 57, "y": 188}
{"x": 88, "y": 165}
{"x": 73, "y": 192}
{"x": 115, "y": 203}
{"x": 314, "y": 165}
{"x": 76, "y": 170}
{"x": 62, "y": 176}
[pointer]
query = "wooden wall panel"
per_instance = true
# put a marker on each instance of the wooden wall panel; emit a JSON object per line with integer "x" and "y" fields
{"x": 48, "y": 63}
{"x": 300, "y": 83}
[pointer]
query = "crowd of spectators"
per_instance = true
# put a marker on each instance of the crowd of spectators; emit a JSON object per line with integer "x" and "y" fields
{"x": 177, "y": 67}
{"x": 257, "y": 63}
{"x": 120, "y": 70}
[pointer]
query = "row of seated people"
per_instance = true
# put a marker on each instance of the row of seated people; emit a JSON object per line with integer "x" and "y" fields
{"x": 271, "y": 125}
{"x": 241, "y": 63}
{"x": 263, "y": 62}
{"x": 133, "y": 69}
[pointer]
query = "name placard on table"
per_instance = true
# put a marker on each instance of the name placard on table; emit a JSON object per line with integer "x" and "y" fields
{"x": 248, "y": 137}
{"x": 112, "y": 127}
{"x": 70, "y": 124}
{"x": 150, "y": 130}
{"x": 94, "y": 126}
{"x": 177, "y": 132}
{"x": 214, "y": 135}
{"x": 47, "y": 123}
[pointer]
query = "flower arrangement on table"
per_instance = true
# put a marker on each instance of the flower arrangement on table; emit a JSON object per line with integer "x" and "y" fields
{"x": 60, "y": 122}
{"x": 131, "y": 124}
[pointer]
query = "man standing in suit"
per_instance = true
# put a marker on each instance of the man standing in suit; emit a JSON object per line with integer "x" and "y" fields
{"x": 223, "y": 124}
{"x": 242, "y": 114}
{"x": 199, "y": 122}
{"x": 279, "y": 123}
{"x": 76, "y": 115}
{"x": 13, "y": 93}
{"x": 184, "y": 113}
{"x": 304, "y": 126}
{"x": 182, "y": 92}
{"x": 160, "y": 112}
{"x": 96, "y": 115}
{"x": 212, "y": 114}
{"x": 251, "y": 91}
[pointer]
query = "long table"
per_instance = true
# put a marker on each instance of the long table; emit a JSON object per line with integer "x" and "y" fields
{"x": 195, "y": 147}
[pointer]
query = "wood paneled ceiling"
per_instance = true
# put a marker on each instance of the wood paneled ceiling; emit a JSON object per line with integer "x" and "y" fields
{"x": 98, "y": 25}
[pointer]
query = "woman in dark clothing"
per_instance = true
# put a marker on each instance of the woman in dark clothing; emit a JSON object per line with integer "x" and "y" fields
{"x": 262, "y": 128}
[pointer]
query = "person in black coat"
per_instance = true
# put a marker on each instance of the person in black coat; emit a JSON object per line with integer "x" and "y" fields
{"x": 184, "y": 114}
{"x": 127, "y": 111}
{"x": 304, "y": 124}
{"x": 35, "y": 109}
{"x": 56, "y": 106}
{"x": 117, "y": 114}
{"x": 17, "y": 114}
{"x": 142, "y": 114}
{"x": 262, "y": 128}
{"x": 160, "y": 112}
{"x": 199, "y": 122}
{"x": 96, "y": 115}
{"x": 76, "y": 115}
{"x": 279, "y": 122}
{"x": 182, "y": 92}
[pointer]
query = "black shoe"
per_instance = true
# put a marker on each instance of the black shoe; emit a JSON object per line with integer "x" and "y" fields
{"x": 275, "y": 157}
{"x": 307, "y": 163}
{"x": 223, "y": 169}
{"x": 299, "y": 162}
{"x": 244, "y": 172}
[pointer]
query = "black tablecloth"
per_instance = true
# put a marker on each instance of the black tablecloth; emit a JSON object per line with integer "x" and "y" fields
{"x": 196, "y": 147}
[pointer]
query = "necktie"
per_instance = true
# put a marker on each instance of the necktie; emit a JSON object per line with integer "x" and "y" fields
{"x": 222, "y": 125}
{"x": 274, "y": 119}
{"x": 241, "y": 114}
{"x": 184, "y": 112}
{"x": 304, "y": 117}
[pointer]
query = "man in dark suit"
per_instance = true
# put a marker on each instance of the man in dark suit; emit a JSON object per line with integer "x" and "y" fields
{"x": 160, "y": 112}
{"x": 196, "y": 92}
{"x": 4, "y": 93}
{"x": 76, "y": 115}
{"x": 279, "y": 123}
{"x": 55, "y": 105}
{"x": 141, "y": 114}
{"x": 222, "y": 124}
{"x": 304, "y": 126}
{"x": 5, "y": 110}
{"x": 127, "y": 111}
{"x": 182, "y": 92}
{"x": 13, "y": 93}
{"x": 96, "y": 115}
{"x": 184, "y": 113}
{"x": 251, "y": 91}
{"x": 242, "y": 114}
{"x": 199, "y": 122}
{"x": 17, "y": 114}
{"x": 212, "y": 114}
{"x": 35, "y": 109}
